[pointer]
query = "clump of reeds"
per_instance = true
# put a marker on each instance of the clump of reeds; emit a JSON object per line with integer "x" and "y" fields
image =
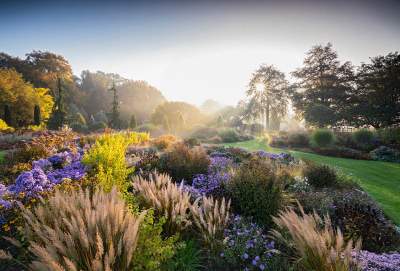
{"x": 80, "y": 231}
{"x": 167, "y": 198}
{"x": 317, "y": 245}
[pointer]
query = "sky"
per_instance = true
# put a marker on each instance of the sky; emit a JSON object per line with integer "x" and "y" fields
{"x": 197, "y": 50}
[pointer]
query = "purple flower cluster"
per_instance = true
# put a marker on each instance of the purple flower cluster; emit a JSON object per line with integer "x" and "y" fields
{"x": 378, "y": 262}
{"x": 246, "y": 246}
{"x": 217, "y": 176}
{"x": 44, "y": 175}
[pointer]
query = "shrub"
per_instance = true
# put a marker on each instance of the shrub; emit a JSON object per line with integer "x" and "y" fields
{"x": 192, "y": 142}
{"x": 167, "y": 198}
{"x": 229, "y": 135}
{"x": 390, "y": 135}
{"x": 322, "y": 138}
{"x": 4, "y": 128}
{"x": 320, "y": 175}
{"x": 316, "y": 244}
{"x": 246, "y": 247}
{"x": 152, "y": 249}
{"x": 152, "y": 129}
{"x": 363, "y": 138}
{"x": 343, "y": 152}
{"x": 359, "y": 217}
{"x": 211, "y": 217}
{"x": 79, "y": 127}
{"x": 256, "y": 191}
{"x": 96, "y": 126}
{"x": 384, "y": 153}
{"x": 107, "y": 158}
{"x": 78, "y": 231}
{"x": 183, "y": 163}
{"x": 299, "y": 139}
{"x": 187, "y": 257}
{"x": 164, "y": 142}
{"x": 204, "y": 133}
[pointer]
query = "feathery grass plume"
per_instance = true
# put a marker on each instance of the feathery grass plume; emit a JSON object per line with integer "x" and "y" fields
{"x": 211, "y": 217}
{"x": 80, "y": 231}
{"x": 317, "y": 245}
{"x": 167, "y": 198}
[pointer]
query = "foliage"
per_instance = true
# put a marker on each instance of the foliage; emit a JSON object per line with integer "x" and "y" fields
{"x": 167, "y": 198}
{"x": 322, "y": 138}
{"x": 164, "y": 142}
{"x": 338, "y": 151}
{"x": 211, "y": 217}
{"x": 4, "y": 128}
{"x": 183, "y": 163}
{"x": 256, "y": 191}
{"x": 320, "y": 175}
{"x": 324, "y": 84}
{"x": 152, "y": 129}
{"x": 176, "y": 116}
{"x": 21, "y": 97}
{"x": 315, "y": 242}
{"x": 187, "y": 257}
{"x": 96, "y": 126}
{"x": 268, "y": 92}
{"x": 153, "y": 250}
{"x": 298, "y": 139}
{"x": 384, "y": 153}
{"x": 59, "y": 113}
{"x": 246, "y": 247}
{"x": 82, "y": 231}
{"x": 359, "y": 217}
{"x": 389, "y": 135}
{"x": 107, "y": 158}
{"x": 229, "y": 135}
{"x": 132, "y": 122}
{"x": 363, "y": 137}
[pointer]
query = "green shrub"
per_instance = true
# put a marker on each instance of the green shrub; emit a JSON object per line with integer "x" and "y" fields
{"x": 98, "y": 125}
{"x": 79, "y": 127}
{"x": 153, "y": 250}
{"x": 358, "y": 216}
{"x": 256, "y": 191}
{"x": 384, "y": 153}
{"x": 187, "y": 257}
{"x": 299, "y": 139}
{"x": 322, "y": 138}
{"x": 389, "y": 135}
{"x": 320, "y": 175}
{"x": 183, "y": 163}
{"x": 229, "y": 135}
{"x": 363, "y": 138}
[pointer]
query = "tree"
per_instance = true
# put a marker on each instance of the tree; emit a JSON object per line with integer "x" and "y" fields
{"x": 323, "y": 80}
{"x": 132, "y": 122}
{"x": 377, "y": 98}
{"x": 177, "y": 116}
{"x": 58, "y": 117}
{"x": 115, "y": 121}
{"x": 18, "y": 98}
{"x": 36, "y": 115}
{"x": 268, "y": 93}
{"x": 319, "y": 115}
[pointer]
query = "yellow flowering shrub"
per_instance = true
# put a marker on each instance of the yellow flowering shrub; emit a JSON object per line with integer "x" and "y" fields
{"x": 4, "y": 127}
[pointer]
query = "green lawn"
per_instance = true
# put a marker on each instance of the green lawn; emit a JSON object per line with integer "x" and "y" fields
{"x": 380, "y": 179}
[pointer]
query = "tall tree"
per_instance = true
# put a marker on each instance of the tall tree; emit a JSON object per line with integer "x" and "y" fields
{"x": 377, "y": 99}
{"x": 268, "y": 93}
{"x": 324, "y": 82}
{"x": 36, "y": 115}
{"x": 115, "y": 121}
{"x": 58, "y": 117}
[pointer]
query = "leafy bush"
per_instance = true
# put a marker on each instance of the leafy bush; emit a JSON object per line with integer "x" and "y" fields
{"x": 211, "y": 217}
{"x": 187, "y": 257}
{"x": 390, "y": 136}
{"x": 299, "y": 139}
{"x": 79, "y": 231}
{"x": 363, "y": 138}
{"x": 107, "y": 159}
{"x": 246, "y": 247}
{"x": 152, "y": 249}
{"x": 164, "y": 142}
{"x": 320, "y": 175}
{"x": 183, "y": 163}
{"x": 79, "y": 127}
{"x": 192, "y": 142}
{"x": 314, "y": 241}
{"x": 229, "y": 135}
{"x": 359, "y": 217}
{"x": 96, "y": 126}
{"x": 256, "y": 191}
{"x": 4, "y": 128}
{"x": 322, "y": 138}
{"x": 384, "y": 153}
{"x": 167, "y": 198}
{"x": 343, "y": 152}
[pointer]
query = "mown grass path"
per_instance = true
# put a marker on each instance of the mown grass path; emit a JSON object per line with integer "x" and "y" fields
{"x": 380, "y": 179}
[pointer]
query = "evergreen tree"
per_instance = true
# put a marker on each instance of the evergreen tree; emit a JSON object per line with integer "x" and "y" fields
{"x": 36, "y": 115}
{"x": 7, "y": 114}
{"x": 115, "y": 121}
{"x": 57, "y": 120}
{"x": 132, "y": 122}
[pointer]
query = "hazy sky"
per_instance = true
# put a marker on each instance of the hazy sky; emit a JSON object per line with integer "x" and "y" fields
{"x": 191, "y": 50}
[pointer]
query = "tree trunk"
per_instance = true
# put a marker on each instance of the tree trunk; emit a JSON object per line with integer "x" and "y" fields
{"x": 267, "y": 124}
